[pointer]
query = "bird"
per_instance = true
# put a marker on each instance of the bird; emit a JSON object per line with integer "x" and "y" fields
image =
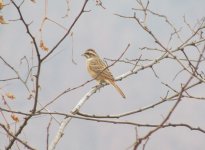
{"x": 99, "y": 70}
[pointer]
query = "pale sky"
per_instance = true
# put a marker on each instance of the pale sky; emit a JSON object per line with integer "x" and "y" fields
{"x": 109, "y": 35}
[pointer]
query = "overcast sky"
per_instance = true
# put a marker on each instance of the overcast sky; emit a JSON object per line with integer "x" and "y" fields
{"x": 109, "y": 35}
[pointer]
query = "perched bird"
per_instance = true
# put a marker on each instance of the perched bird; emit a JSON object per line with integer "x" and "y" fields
{"x": 98, "y": 69}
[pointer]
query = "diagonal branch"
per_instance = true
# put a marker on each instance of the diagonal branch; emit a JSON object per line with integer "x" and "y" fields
{"x": 69, "y": 30}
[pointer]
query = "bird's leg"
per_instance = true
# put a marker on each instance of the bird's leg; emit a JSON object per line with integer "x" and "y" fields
{"x": 99, "y": 85}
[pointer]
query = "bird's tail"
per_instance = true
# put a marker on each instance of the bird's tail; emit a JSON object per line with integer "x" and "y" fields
{"x": 117, "y": 88}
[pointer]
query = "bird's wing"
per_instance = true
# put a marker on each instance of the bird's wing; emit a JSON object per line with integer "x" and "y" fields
{"x": 101, "y": 69}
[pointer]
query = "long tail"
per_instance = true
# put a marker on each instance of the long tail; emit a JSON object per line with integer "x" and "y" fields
{"x": 117, "y": 88}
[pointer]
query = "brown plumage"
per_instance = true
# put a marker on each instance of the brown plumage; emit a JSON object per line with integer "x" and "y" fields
{"x": 98, "y": 69}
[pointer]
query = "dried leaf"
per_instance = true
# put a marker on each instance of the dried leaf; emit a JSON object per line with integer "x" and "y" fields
{"x": 2, "y": 21}
{"x": 15, "y": 118}
{"x": 1, "y": 4}
{"x": 10, "y": 95}
{"x": 43, "y": 46}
